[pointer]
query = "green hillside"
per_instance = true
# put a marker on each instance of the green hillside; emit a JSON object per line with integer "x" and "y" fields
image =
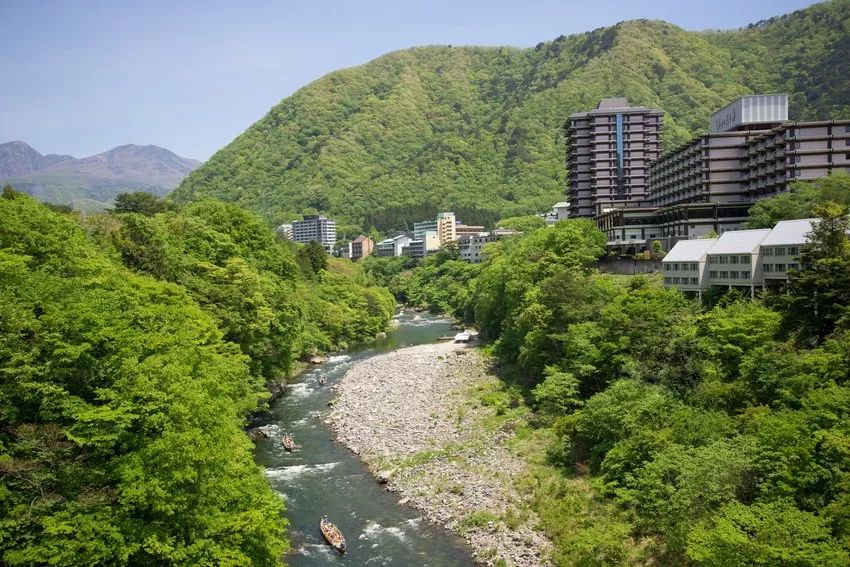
{"x": 478, "y": 130}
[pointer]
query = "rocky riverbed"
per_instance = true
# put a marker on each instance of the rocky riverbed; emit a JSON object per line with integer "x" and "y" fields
{"x": 412, "y": 417}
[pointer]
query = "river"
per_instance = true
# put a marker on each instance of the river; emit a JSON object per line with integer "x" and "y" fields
{"x": 322, "y": 477}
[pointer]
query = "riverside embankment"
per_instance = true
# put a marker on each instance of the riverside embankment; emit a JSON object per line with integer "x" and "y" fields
{"x": 413, "y": 416}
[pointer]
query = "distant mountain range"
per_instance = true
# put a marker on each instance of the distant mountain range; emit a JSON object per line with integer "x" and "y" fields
{"x": 92, "y": 183}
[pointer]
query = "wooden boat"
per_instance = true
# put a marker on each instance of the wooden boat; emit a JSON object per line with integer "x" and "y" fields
{"x": 332, "y": 534}
{"x": 288, "y": 443}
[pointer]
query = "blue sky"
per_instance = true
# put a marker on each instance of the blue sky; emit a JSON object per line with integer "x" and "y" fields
{"x": 80, "y": 77}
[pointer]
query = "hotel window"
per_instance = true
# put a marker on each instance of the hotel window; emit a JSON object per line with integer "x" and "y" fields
{"x": 694, "y": 281}
{"x": 780, "y": 251}
{"x": 733, "y": 259}
{"x": 733, "y": 275}
{"x": 675, "y": 280}
{"x": 745, "y": 259}
{"x": 694, "y": 267}
{"x": 724, "y": 275}
{"x": 745, "y": 275}
{"x": 780, "y": 268}
{"x": 793, "y": 250}
{"x": 768, "y": 267}
{"x": 667, "y": 280}
{"x": 793, "y": 266}
{"x": 723, "y": 260}
{"x": 666, "y": 267}
{"x": 713, "y": 260}
{"x": 712, "y": 274}
{"x": 768, "y": 251}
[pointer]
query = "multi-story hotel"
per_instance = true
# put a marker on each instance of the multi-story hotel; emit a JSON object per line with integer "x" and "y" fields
{"x": 752, "y": 151}
{"x": 315, "y": 228}
{"x": 609, "y": 152}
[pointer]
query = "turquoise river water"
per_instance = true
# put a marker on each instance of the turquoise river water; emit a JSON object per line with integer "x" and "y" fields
{"x": 322, "y": 477}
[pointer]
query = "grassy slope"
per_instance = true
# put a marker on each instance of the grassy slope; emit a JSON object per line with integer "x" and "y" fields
{"x": 478, "y": 130}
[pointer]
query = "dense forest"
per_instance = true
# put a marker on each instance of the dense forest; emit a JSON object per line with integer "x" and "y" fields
{"x": 682, "y": 433}
{"x": 132, "y": 347}
{"x": 479, "y": 130}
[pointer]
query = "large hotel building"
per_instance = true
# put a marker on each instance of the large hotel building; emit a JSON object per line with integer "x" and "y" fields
{"x": 751, "y": 151}
{"x": 610, "y": 149}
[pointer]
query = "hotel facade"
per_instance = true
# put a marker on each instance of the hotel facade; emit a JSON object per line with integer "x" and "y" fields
{"x": 750, "y": 152}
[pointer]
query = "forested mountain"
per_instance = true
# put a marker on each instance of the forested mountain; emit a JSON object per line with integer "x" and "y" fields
{"x": 92, "y": 183}
{"x": 479, "y": 130}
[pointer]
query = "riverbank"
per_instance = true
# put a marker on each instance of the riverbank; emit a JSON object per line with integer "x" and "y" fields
{"x": 413, "y": 417}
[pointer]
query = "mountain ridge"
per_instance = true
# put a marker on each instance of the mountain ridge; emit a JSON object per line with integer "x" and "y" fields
{"x": 90, "y": 183}
{"x": 479, "y": 129}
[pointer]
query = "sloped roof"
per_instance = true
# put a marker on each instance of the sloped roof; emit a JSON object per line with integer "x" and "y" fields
{"x": 789, "y": 232}
{"x": 739, "y": 241}
{"x": 361, "y": 238}
{"x": 689, "y": 250}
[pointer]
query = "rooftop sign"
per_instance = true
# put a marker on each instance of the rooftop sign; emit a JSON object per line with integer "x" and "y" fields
{"x": 753, "y": 109}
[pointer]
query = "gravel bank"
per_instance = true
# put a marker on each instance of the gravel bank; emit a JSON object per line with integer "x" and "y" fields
{"x": 410, "y": 417}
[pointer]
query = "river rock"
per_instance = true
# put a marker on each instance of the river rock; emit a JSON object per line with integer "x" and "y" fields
{"x": 409, "y": 416}
{"x": 317, "y": 359}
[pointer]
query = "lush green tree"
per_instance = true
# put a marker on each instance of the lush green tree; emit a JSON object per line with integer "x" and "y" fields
{"x": 312, "y": 258}
{"x": 140, "y": 202}
{"x": 820, "y": 290}
{"x": 122, "y": 409}
{"x": 764, "y": 534}
{"x": 525, "y": 223}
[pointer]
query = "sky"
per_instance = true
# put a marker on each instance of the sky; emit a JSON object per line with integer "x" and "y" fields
{"x": 82, "y": 76}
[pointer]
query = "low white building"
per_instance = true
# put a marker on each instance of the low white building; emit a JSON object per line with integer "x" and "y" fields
{"x": 733, "y": 261}
{"x": 780, "y": 251}
{"x": 285, "y": 230}
{"x": 685, "y": 265}
{"x": 560, "y": 211}
{"x": 392, "y": 247}
{"x": 421, "y": 247}
{"x": 471, "y": 247}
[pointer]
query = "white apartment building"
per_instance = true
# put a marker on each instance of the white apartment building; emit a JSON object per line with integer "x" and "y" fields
{"x": 734, "y": 259}
{"x": 421, "y": 247}
{"x": 740, "y": 258}
{"x": 392, "y": 247}
{"x": 780, "y": 251}
{"x": 285, "y": 230}
{"x": 685, "y": 265}
{"x": 315, "y": 228}
{"x": 470, "y": 248}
